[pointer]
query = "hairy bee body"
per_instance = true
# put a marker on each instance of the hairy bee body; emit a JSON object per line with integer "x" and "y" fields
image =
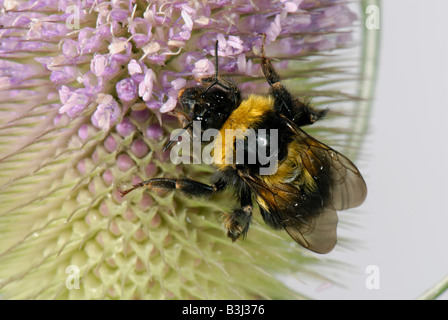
{"x": 311, "y": 181}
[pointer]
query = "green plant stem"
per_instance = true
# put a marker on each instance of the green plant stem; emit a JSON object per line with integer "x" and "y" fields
{"x": 436, "y": 291}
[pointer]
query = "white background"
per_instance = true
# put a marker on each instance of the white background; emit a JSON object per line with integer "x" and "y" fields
{"x": 403, "y": 225}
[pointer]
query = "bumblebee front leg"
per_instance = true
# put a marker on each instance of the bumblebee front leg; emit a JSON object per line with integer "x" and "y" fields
{"x": 298, "y": 111}
{"x": 237, "y": 223}
{"x": 183, "y": 119}
{"x": 283, "y": 99}
{"x": 188, "y": 186}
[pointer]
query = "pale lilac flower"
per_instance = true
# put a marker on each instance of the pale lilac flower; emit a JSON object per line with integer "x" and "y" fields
{"x": 134, "y": 67}
{"x": 107, "y": 112}
{"x": 145, "y": 87}
{"x": 203, "y": 67}
{"x": 274, "y": 29}
{"x": 98, "y": 64}
{"x": 178, "y": 84}
{"x": 73, "y": 102}
{"x": 126, "y": 90}
{"x": 84, "y": 88}
{"x": 169, "y": 104}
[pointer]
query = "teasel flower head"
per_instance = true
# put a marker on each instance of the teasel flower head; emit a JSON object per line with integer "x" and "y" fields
{"x": 85, "y": 87}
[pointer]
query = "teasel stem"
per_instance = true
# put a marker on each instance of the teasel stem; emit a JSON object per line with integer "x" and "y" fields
{"x": 436, "y": 291}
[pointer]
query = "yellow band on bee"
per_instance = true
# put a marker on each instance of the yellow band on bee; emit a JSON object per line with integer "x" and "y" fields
{"x": 246, "y": 116}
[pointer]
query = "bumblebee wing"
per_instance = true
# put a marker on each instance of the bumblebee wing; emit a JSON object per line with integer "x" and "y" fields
{"x": 310, "y": 224}
{"x": 339, "y": 186}
{"x": 339, "y": 182}
{"x": 319, "y": 234}
{"x": 308, "y": 213}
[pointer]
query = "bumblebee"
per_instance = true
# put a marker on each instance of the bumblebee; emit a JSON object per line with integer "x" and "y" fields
{"x": 312, "y": 180}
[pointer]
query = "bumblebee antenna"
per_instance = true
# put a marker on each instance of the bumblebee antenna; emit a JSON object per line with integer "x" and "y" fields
{"x": 216, "y": 61}
{"x": 178, "y": 135}
{"x": 216, "y": 81}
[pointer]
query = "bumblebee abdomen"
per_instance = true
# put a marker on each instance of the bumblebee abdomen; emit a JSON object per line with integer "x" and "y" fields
{"x": 291, "y": 170}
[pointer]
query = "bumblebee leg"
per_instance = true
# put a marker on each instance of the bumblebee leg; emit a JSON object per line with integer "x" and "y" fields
{"x": 284, "y": 101}
{"x": 183, "y": 119}
{"x": 237, "y": 223}
{"x": 298, "y": 111}
{"x": 188, "y": 186}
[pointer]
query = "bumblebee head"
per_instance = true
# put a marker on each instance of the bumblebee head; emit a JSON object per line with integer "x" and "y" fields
{"x": 211, "y": 104}
{"x": 213, "y": 101}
